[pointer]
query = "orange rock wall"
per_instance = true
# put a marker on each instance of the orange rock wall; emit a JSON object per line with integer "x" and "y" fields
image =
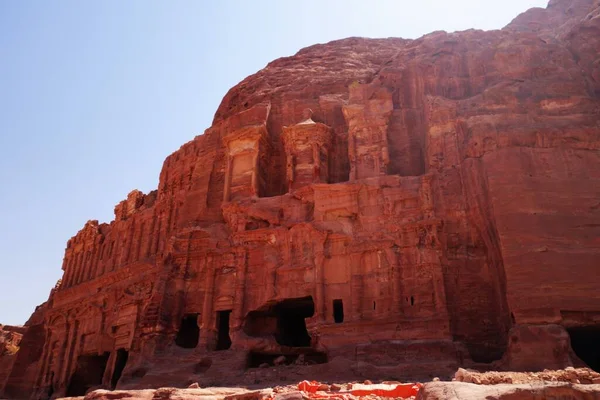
{"x": 440, "y": 192}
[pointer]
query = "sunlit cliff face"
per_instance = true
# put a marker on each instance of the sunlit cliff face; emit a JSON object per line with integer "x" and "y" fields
{"x": 376, "y": 201}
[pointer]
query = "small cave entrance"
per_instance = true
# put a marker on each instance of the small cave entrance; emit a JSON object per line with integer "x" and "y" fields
{"x": 585, "y": 342}
{"x": 189, "y": 332}
{"x": 88, "y": 373}
{"x": 120, "y": 362}
{"x": 338, "y": 311}
{"x": 284, "y": 320}
{"x": 223, "y": 338}
{"x": 291, "y": 324}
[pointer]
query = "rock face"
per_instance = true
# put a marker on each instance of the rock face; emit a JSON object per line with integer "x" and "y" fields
{"x": 368, "y": 207}
{"x": 10, "y": 339}
{"x": 531, "y": 391}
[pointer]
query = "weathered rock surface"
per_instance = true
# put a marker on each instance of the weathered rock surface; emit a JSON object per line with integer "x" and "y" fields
{"x": 368, "y": 208}
{"x": 570, "y": 374}
{"x": 10, "y": 339}
{"x": 532, "y": 391}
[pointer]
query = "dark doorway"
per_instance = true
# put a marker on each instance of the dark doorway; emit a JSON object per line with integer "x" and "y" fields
{"x": 189, "y": 332}
{"x": 120, "y": 362}
{"x": 338, "y": 311}
{"x": 223, "y": 339}
{"x": 88, "y": 373}
{"x": 290, "y": 321}
{"x": 585, "y": 342}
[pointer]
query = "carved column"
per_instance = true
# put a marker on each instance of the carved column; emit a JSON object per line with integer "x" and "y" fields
{"x": 66, "y": 351}
{"x": 42, "y": 371}
{"x": 68, "y": 282}
{"x": 237, "y": 316}
{"x": 319, "y": 281}
{"x": 207, "y": 309}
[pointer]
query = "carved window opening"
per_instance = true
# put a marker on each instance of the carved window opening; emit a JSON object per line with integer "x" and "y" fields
{"x": 412, "y": 300}
{"x": 338, "y": 311}
{"x": 189, "y": 332}
{"x": 374, "y": 305}
{"x": 120, "y": 362}
{"x": 88, "y": 373}
{"x": 585, "y": 342}
{"x": 223, "y": 338}
{"x": 291, "y": 323}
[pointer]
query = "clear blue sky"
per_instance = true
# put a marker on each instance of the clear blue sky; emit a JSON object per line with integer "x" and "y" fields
{"x": 95, "y": 94}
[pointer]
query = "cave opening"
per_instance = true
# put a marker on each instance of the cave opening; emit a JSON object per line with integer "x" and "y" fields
{"x": 338, "y": 311}
{"x": 291, "y": 324}
{"x": 283, "y": 320}
{"x": 120, "y": 362}
{"x": 585, "y": 342}
{"x": 189, "y": 332}
{"x": 223, "y": 338}
{"x": 88, "y": 373}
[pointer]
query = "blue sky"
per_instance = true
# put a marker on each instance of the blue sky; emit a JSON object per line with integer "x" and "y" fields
{"x": 95, "y": 94}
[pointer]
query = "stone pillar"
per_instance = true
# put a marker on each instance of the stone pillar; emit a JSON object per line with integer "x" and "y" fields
{"x": 320, "y": 284}
{"x": 67, "y": 352}
{"x": 42, "y": 371}
{"x": 68, "y": 281}
{"x": 307, "y": 146}
{"x": 240, "y": 289}
{"x": 110, "y": 368}
{"x": 207, "y": 308}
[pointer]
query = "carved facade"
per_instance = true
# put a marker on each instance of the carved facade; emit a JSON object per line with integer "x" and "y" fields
{"x": 440, "y": 200}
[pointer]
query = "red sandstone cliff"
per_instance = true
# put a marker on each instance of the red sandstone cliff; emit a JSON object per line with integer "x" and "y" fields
{"x": 440, "y": 206}
{"x": 10, "y": 338}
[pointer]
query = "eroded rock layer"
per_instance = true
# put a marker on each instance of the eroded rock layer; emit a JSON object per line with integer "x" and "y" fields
{"x": 368, "y": 207}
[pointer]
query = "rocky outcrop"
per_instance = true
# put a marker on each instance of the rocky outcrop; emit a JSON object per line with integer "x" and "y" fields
{"x": 377, "y": 208}
{"x": 533, "y": 391}
{"x": 10, "y": 339}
